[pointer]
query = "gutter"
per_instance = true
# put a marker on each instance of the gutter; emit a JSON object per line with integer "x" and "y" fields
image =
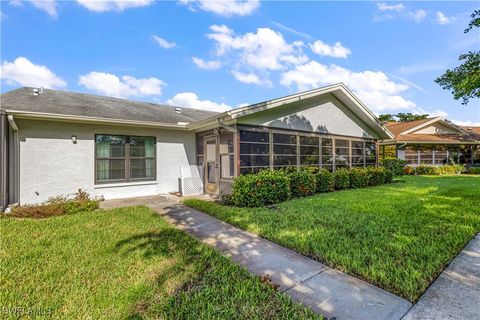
{"x": 84, "y": 119}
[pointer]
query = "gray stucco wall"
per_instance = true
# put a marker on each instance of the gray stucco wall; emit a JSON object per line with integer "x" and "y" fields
{"x": 51, "y": 164}
{"x": 324, "y": 114}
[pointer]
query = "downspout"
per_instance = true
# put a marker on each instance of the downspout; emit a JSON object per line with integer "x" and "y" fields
{"x": 16, "y": 159}
{"x": 223, "y": 125}
{"x": 3, "y": 160}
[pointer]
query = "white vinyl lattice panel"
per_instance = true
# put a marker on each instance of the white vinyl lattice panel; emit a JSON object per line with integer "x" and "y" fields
{"x": 191, "y": 180}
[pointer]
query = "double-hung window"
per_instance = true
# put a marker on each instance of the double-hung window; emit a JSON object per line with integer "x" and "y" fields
{"x": 121, "y": 158}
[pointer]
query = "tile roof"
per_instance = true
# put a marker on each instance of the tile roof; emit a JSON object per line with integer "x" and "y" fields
{"x": 440, "y": 138}
{"x": 398, "y": 127}
{"x": 88, "y": 105}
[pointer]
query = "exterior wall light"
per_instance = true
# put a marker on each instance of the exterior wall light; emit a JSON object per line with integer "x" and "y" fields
{"x": 74, "y": 139}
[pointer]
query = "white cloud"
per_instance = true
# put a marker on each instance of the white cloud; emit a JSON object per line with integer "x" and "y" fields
{"x": 49, "y": 6}
{"x": 224, "y": 8}
{"x": 127, "y": 86}
{"x": 442, "y": 18}
{"x": 113, "y": 5}
{"x": 373, "y": 87}
{"x": 418, "y": 15}
{"x": 23, "y": 72}
{"x": 207, "y": 65}
{"x": 336, "y": 51}
{"x": 390, "y": 7}
{"x": 191, "y": 100}
{"x": 390, "y": 11}
{"x": 163, "y": 43}
{"x": 466, "y": 123}
{"x": 264, "y": 50}
{"x": 291, "y": 30}
{"x": 251, "y": 78}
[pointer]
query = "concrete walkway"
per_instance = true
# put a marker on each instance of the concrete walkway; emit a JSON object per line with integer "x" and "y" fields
{"x": 325, "y": 290}
{"x": 456, "y": 292}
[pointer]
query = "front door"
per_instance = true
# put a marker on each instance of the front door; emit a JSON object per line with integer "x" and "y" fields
{"x": 211, "y": 165}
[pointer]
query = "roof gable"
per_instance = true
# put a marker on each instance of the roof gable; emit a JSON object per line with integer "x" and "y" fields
{"x": 339, "y": 91}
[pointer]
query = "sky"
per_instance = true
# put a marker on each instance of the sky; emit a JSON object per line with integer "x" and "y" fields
{"x": 219, "y": 55}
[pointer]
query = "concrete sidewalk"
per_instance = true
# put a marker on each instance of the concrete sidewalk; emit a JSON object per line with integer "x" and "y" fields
{"x": 325, "y": 290}
{"x": 456, "y": 292}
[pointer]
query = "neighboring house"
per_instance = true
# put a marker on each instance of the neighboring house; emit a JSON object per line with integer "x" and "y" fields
{"x": 54, "y": 142}
{"x": 432, "y": 141}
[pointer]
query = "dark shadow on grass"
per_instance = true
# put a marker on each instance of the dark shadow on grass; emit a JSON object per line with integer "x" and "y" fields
{"x": 170, "y": 244}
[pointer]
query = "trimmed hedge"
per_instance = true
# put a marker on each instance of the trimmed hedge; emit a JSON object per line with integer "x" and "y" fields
{"x": 270, "y": 187}
{"x": 302, "y": 183}
{"x": 396, "y": 165}
{"x": 434, "y": 170}
{"x": 341, "y": 177}
{"x": 325, "y": 181}
{"x": 264, "y": 188}
{"x": 473, "y": 170}
{"x": 358, "y": 177}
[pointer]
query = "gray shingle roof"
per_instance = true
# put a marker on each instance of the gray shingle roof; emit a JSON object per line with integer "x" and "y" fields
{"x": 87, "y": 105}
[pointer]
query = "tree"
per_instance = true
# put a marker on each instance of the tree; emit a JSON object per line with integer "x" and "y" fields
{"x": 401, "y": 117}
{"x": 386, "y": 117}
{"x": 464, "y": 80}
{"x": 404, "y": 117}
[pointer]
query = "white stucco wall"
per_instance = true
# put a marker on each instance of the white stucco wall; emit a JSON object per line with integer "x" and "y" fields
{"x": 51, "y": 164}
{"x": 325, "y": 114}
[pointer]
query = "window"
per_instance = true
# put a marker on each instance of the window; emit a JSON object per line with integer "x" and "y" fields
{"x": 226, "y": 155}
{"x": 370, "y": 153}
{"x": 124, "y": 158}
{"x": 309, "y": 151}
{"x": 254, "y": 151}
{"x": 358, "y": 154}
{"x": 284, "y": 150}
{"x": 411, "y": 155}
{"x": 199, "y": 147}
{"x": 342, "y": 153}
{"x": 327, "y": 154}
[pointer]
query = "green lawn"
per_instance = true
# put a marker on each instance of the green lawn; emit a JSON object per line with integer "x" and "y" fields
{"x": 125, "y": 263}
{"x": 398, "y": 236}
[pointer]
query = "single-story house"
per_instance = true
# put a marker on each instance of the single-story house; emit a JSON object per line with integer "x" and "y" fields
{"x": 432, "y": 141}
{"x": 55, "y": 142}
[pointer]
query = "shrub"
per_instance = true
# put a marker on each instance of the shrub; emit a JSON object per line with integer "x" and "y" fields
{"x": 434, "y": 170}
{"x": 264, "y": 188}
{"x": 58, "y": 206}
{"x": 389, "y": 175}
{"x": 302, "y": 183}
{"x": 376, "y": 176}
{"x": 325, "y": 181}
{"x": 473, "y": 170}
{"x": 341, "y": 178}
{"x": 358, "y": 177}
{"x": 395, "y": 165}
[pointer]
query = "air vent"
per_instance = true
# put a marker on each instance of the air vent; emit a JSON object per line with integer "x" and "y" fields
{"x": 178, "y": 110}
{"x": 37, "y": 91}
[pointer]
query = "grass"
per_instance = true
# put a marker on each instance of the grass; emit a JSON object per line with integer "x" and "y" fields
{"x": 125, "y": 263}
{"x": 398, "y": 236}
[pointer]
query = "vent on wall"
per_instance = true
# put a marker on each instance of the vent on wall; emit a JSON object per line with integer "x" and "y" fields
{"x": 37, "y": 91}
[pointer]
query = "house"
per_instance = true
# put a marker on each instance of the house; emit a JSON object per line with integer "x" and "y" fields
{"x": 432, "y": 141}
{"x": 55, "y": 142}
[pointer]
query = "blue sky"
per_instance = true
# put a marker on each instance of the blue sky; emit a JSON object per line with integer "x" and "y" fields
{"x": 220, "y": 55}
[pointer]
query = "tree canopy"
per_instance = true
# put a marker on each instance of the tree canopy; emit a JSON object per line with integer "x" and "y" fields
{"x": 464, "y": 80}
{"x": 401, "y": 117}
